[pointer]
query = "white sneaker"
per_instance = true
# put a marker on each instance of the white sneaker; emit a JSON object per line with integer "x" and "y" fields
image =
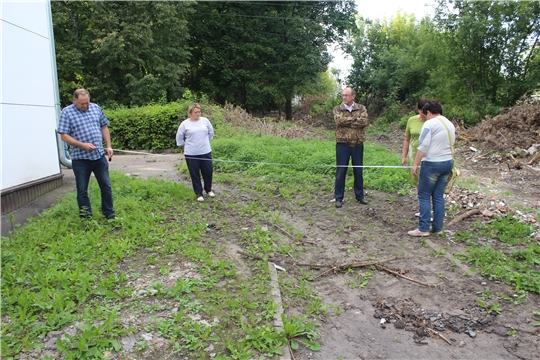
{"x": 200, "y": 199}
{"x": 211, "y": 194}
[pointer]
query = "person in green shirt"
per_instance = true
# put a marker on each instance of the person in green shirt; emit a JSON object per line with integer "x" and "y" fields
{"x": 412, "y": 135}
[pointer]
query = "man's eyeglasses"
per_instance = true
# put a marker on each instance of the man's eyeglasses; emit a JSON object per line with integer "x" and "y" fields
{"x": 345, "y": 95}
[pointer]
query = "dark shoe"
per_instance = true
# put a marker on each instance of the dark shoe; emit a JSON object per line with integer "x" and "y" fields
{"x": 339, "y": 203}
{"x": 363, "y": 202}
{"x": 112, "y": 216}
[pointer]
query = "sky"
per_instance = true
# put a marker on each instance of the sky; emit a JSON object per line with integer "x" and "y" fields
{"x": 382, "y": 9}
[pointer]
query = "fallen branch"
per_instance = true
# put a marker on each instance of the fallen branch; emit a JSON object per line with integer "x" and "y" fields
{"x": 334, "y": 268}
{"x": 439, "y": 335}
{"x": 286, "y": 233}
{"x": 380, "y": 267}
{"x": 293, "y": 238}
{"x": 319, "y": 266}
{"x": 464, "y": 216}
{"x": 534, "y": 158}
{"x": 502, "y": 136}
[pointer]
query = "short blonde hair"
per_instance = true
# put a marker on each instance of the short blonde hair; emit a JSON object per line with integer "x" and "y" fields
{"x": 192, "y": 107}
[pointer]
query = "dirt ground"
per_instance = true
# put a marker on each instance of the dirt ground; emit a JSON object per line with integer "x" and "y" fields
{"x": 379, "y": 230}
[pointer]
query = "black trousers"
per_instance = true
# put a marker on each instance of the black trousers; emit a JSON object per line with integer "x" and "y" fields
{"x": 197, "y": 165}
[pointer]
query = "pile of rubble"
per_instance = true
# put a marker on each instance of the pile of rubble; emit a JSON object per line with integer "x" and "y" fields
{"x": 487, "y": 207}
{"x": 517, "y": 131}
{"x": 411, "y": 316}
{"x": 490, "y": 206}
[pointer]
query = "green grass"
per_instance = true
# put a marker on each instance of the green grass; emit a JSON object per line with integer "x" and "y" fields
{"x": 59, "y": 270}
{"x": 519, "y": 267}
{"x": 296, "y": 166}
{"x": 517, "y": 262}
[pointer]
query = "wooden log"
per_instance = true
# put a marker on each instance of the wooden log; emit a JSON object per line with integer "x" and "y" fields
{"x": 464, "y": 216}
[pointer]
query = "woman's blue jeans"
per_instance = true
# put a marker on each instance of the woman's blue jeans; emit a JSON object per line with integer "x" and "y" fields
{"x": 345, "y": 152}
{"x": 82, "y": 169}
{"x": 431, "y": 184}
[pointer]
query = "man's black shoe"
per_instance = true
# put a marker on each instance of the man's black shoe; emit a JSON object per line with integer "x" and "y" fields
{"x": 363, "y": 202}
{"x": 112, "y": 216}
{"x": 339, "y": 203}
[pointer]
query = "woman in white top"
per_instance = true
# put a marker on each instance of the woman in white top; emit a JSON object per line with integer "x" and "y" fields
{"x": 194, "y": 134}
{"x": 437, "y": 139}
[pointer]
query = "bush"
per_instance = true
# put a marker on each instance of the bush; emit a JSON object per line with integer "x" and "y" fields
{"x": 153, "y": 127}
{"x": 403, "y": 121}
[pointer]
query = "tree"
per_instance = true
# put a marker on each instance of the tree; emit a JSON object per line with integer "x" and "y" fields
{"x": 258, "y": 54}
{"x": 392, "y": 60}
{"x": 493, "y": 46}
{"x": 124, "y": 53}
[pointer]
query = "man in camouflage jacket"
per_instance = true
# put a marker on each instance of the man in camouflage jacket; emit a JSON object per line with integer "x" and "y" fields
{"x": 351, "y": 120}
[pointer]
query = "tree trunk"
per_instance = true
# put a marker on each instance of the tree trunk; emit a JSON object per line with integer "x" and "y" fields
{"x": 288, "y": 109}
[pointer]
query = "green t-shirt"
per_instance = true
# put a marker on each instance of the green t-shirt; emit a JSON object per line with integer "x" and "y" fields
{"x": 414, "y": 125}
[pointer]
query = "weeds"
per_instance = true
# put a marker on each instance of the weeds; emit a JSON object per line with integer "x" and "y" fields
{"x": 58, "y": 271}
{"x": 495, "y": 308}
{"x": 516, "y": 268}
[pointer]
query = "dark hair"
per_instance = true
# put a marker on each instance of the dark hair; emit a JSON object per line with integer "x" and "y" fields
{"x": 433, "y": 106}
{"x": 421, "y": 103}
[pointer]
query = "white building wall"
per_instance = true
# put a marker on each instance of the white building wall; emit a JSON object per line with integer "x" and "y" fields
{"x": 27, "y": 101}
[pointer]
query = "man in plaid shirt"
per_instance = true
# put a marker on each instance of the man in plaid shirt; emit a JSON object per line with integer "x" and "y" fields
{"x": 84, "y": 126}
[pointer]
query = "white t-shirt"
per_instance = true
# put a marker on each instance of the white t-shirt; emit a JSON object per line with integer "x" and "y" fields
{"x": 195, "y": 136}
{"x": 434, "y": 139}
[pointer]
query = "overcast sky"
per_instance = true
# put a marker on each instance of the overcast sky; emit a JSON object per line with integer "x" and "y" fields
{"x": 383, "y": 9}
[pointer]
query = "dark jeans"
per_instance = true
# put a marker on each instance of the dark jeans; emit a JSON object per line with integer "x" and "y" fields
{"x": 431, "y": 184}
{"x": 197, "y": 165}
{"x": 343, "y": 154}
{"x": 82, "y": 169}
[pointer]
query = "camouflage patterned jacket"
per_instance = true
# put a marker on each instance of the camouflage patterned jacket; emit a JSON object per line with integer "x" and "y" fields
{"x": 351, "y": 125}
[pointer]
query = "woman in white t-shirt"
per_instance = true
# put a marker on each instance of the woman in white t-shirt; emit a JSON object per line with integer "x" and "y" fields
{"x": 437, "y": 139}
{"x": 194, "y": 134}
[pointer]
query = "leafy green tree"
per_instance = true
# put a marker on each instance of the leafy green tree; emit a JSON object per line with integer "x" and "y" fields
{"x": 257, "y": 55}
{"x": 392, "y": 60}
{"x": 124, "y": 53}
{"x": 493, "y": 49}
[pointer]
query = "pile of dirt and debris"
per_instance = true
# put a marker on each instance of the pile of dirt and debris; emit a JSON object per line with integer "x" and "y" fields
{"x": 476, "y": 204}
{"x": 411, "y": 316}
{"x": 517, "y": 130}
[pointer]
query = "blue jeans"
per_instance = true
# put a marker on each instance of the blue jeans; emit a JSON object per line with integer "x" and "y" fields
{"x": 82, "y": 169}
{"x": 343, "y": 154}
{"x": 431, "y": 184}
{"x": 197, "y": 165}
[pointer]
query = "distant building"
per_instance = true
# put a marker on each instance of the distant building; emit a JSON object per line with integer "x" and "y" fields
{"x": 29, "y": 104}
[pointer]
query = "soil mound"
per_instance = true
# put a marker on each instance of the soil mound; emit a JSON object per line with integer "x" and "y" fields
{"x": 519, "y": 127}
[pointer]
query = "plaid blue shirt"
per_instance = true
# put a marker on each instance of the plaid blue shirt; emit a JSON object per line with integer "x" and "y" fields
{"x": 84, "y": 126}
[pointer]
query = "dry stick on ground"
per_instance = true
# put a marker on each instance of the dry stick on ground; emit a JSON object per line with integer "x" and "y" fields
{"x": 380, "y": 267}
{"x": 464, "y": 216}
{"x": 332, "y": 266}
{"x": 291, "y": 350}
{"x": 534, "y": 158}
{"x": 352, "y": 265}
{"x": 293, "y": 238}
{"x": 439, "y": 335}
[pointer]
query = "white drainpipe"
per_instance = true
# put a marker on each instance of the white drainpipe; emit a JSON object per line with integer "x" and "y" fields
{"x": 61, "y": 149}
